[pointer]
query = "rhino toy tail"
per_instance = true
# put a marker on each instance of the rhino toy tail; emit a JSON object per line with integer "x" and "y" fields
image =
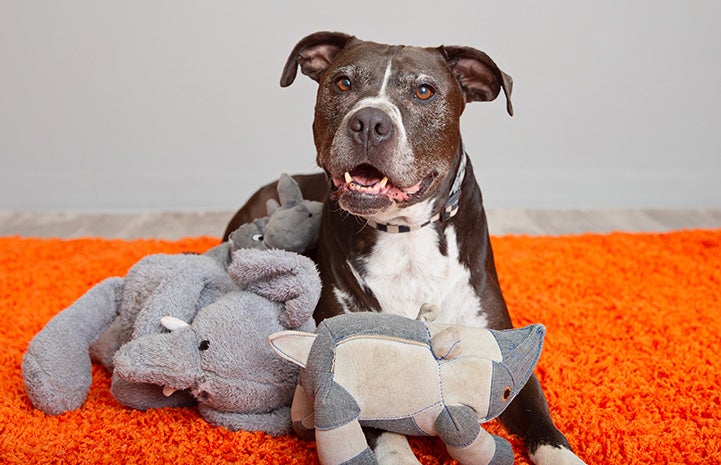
{"x": 56, "y": 366}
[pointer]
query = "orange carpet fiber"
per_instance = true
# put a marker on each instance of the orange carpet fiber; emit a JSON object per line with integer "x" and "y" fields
{"x": 630, "y": 366}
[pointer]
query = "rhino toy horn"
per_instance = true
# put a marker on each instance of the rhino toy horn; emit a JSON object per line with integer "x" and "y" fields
{"x": 293, "y": 346}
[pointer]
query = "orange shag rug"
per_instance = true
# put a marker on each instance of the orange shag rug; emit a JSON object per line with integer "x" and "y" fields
{"x": 631, "y": 364}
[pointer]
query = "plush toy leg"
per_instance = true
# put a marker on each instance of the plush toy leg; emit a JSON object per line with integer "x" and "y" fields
{"x": 393, "y": 449}
{"x": 486, "y": 449}
{"x": 345, "y": 445}
{"x": 338, "y": 435}
{"x": 276, "y": 422}
{"x": 467, "y": 442}
{"x": 56, "y": 367}
{"x": 302, "y": 414}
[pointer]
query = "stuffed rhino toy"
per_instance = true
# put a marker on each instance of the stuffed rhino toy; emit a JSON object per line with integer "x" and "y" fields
{"x": 406, "y": 376}
{"x": 181, "y": 330}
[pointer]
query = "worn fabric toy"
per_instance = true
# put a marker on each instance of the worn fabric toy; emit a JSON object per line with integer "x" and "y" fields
{"x": 406, "y": 376}
{"x": 291, "y": 225}
{"x": 219, "y": 359}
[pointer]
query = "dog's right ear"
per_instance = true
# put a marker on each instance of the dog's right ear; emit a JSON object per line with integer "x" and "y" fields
{"x": 314, "y": 53}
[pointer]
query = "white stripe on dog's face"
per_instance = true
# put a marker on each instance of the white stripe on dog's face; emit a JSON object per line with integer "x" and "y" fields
{"x": 403, "y": 152}
{"x": 386, "y": 77}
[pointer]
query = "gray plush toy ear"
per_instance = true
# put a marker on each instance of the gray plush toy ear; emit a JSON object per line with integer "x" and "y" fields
{"x": 271, "y": 206}
{"x": 293, "y": 346}
{"x": 280, "y": 276}
{"x": 288, "y": 192}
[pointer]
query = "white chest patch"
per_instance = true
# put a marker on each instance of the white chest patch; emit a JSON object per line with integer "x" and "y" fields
{"x": 407, "y": 270}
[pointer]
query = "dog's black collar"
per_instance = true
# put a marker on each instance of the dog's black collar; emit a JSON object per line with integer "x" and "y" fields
{"x": 448, "y": 211}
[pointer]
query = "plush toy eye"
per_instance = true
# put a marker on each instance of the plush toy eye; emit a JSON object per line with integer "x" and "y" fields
{"x": 343, "y": 84}
{"x": 506, "y": 393}
{"x": 204, "y": 345}
{"x": 257, "y": 237}
{"x": 424, "y": 92}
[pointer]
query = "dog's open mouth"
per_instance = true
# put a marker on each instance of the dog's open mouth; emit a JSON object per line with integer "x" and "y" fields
{"x": 367, "y": 180}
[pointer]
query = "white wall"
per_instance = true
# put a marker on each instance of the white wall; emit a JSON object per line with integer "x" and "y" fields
{"x": 175, "y": 105}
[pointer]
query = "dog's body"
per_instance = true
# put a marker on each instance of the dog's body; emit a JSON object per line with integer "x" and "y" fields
{"x": 403, "y": 225}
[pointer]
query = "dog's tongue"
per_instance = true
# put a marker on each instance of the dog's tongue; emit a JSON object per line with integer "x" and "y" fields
{"x": 367, "y": 180}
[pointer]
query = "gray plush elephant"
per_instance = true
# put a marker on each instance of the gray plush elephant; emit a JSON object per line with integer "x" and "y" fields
{"x": 181, "y": 330}
{"x": 222, "y": 357}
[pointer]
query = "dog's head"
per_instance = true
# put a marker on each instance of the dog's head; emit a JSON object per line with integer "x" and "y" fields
{"x": 387, "y": 118}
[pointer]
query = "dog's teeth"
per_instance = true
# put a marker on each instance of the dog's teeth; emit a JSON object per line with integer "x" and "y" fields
{"x": 168, "y": 391}
{"x": 383, "y": 182}
{"x": 348, "y": 177}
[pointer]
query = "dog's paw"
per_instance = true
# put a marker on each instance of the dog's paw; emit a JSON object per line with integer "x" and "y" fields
{"x": 551, "y": 455}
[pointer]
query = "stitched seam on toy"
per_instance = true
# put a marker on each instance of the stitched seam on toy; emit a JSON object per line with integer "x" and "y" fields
{"x": 383, "y": 338}
{"x": 401, "y": 417}
{"x": 438, "y": 368}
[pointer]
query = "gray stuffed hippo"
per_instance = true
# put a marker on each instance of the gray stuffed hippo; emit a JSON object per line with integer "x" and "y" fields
{"x": 407, "y": 376}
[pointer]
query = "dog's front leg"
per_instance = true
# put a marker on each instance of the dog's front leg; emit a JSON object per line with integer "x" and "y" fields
{"x": 393, "y": 449}
{"x": 528, "y": 416}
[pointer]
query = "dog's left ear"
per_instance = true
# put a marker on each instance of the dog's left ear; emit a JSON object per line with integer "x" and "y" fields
{"x": 314, "y": 54}
{"x": 479, "y": 76}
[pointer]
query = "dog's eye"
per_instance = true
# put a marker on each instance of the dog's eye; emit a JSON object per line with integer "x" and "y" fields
{"x": 204, "y": 344}
{"x": 424, "y": 92}
{"x": 343, "y": 84}
{"x": 257, "y": 237}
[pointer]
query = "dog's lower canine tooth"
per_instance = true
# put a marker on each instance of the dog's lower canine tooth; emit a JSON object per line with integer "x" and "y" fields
{"x": 382, "y": 183}
{"x": 348, "y": 177}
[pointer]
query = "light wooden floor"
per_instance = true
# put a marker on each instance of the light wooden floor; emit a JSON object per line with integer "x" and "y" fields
{"x": 174, "y": 225}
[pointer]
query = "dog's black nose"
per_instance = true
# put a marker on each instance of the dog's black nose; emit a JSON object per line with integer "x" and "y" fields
{"x": 370, "y": 126}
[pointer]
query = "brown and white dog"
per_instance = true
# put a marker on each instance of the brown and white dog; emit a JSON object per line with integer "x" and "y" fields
{"x": 403, "y": 225}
